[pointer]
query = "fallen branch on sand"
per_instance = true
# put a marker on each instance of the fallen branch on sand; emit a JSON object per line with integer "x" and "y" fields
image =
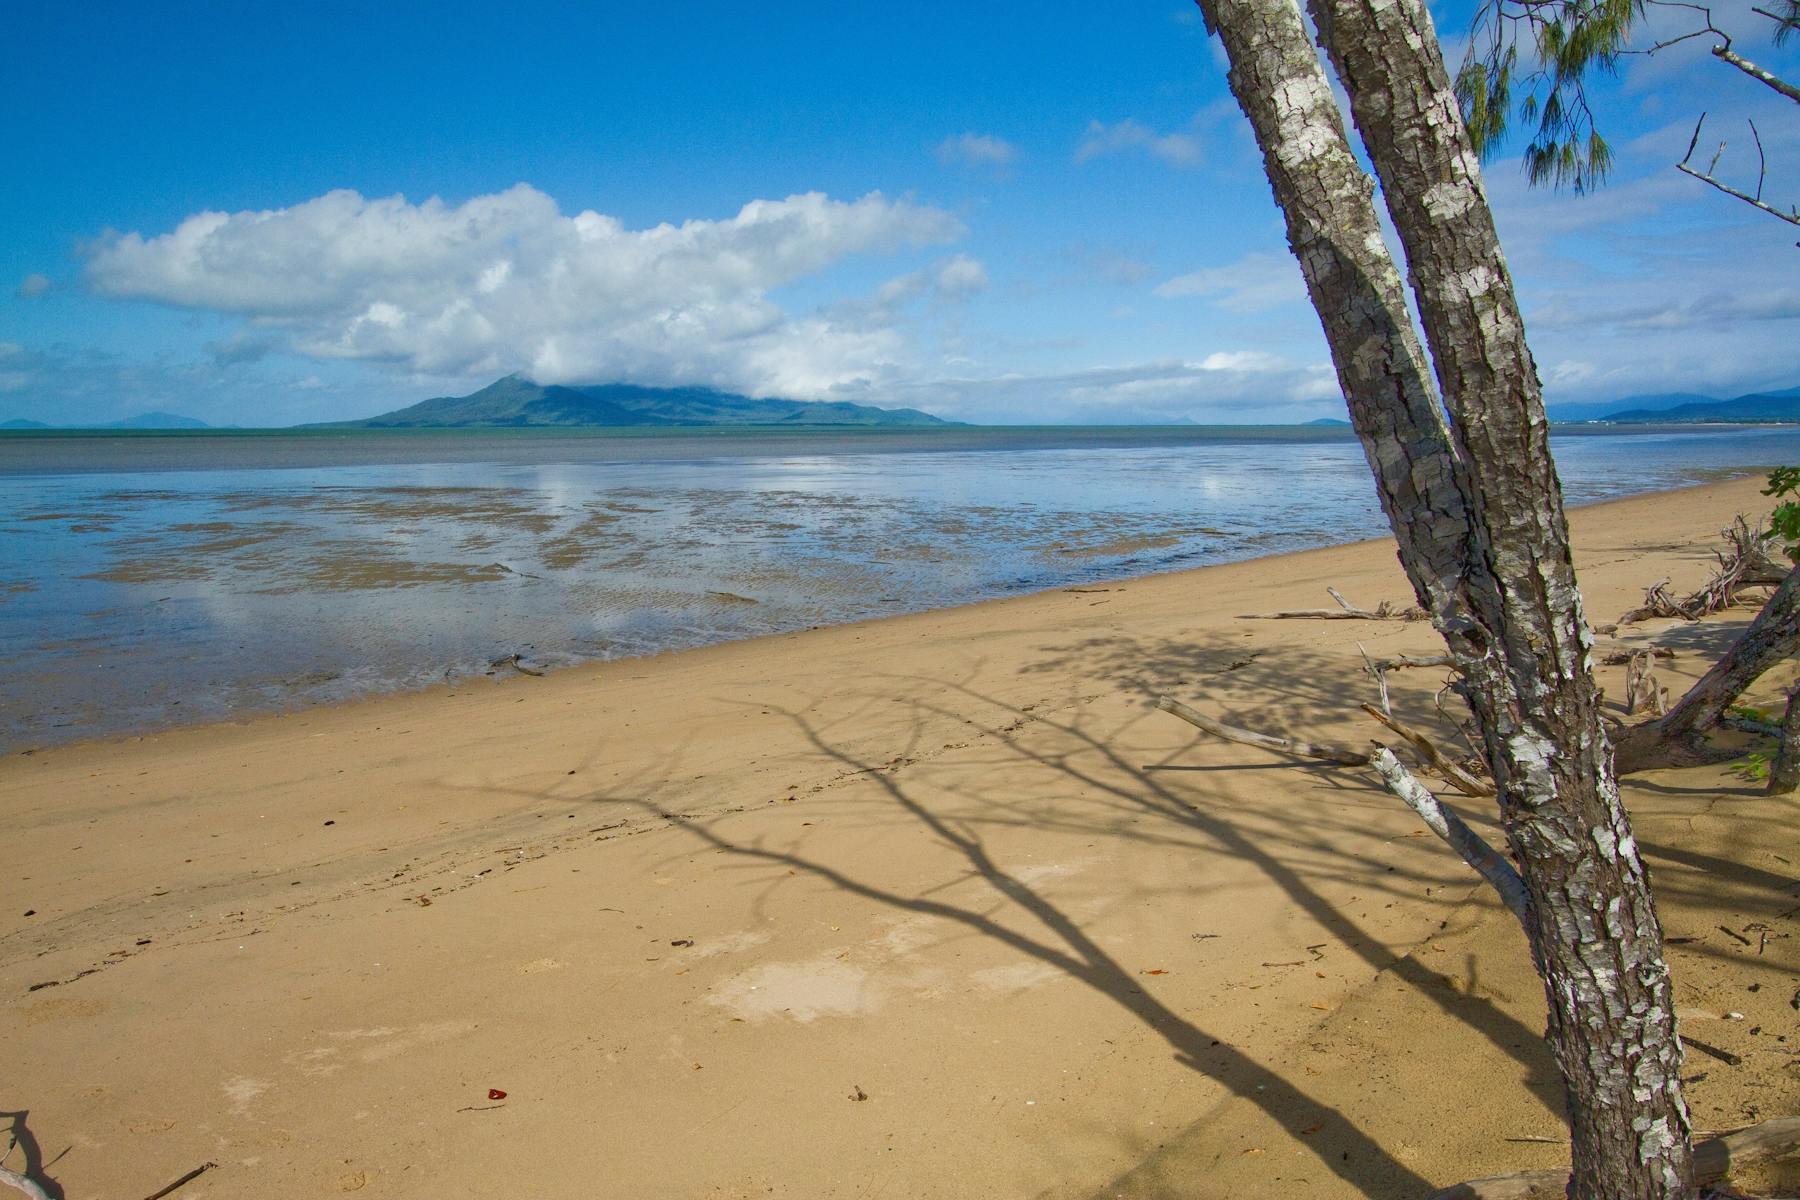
{"x": 1745, "y": 562}
{"x": 1470, "y": 846}
{"x": 1345, "y": 611}
{"x": 1440, "y": 762}
{"x": 192, "y": 1175}
{"x": 1714, "y": 1160}
{"x": 16, "y": 1180}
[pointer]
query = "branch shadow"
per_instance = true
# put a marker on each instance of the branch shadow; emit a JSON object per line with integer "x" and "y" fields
{"x": 1117, "y": 794}
{"x": 20, "y": 1135}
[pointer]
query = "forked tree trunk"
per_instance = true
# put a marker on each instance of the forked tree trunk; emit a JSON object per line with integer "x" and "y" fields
{"x": 1478, "y": 517}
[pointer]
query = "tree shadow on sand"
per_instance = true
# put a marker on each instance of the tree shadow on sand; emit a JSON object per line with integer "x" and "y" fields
{"x": 1117, "y": 795}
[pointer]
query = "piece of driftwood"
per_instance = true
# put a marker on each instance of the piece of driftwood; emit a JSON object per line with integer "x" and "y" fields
{"x": 1642, "y": 689}
{"x": 1714, "y": 1160}
{"x": 1280, "y": 745}
{"x": 192, "y": 1175}
{"x": 1745, "y": 562}
{"x": 1345, "y": 611}
{"x": 1468, "y": 844}
{"x": 1440, "y": 762}
{"x": 15, "y": 1180}
{"x": 1618, "y": 658}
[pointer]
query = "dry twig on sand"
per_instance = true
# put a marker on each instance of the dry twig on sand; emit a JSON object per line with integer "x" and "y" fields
{"x": 1345, "y": 611}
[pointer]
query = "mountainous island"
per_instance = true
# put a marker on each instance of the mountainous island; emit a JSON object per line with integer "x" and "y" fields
{"x": 1753, "y": 408}
{"x": 516, "y": 401}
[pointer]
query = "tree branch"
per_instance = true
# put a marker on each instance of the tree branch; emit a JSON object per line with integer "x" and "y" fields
{"x": 1790, "y": 218}
{"x": 1727, "y": 54}
{"x": 16, "y": 1180}
{"x": 1470, "y": 846}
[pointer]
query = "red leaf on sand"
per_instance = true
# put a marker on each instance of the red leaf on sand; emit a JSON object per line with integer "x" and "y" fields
{"x": 496, "y": 1094}
{"x": 1158, "y": 971}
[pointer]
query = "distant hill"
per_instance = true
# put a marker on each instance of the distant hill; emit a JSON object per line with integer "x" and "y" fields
{"x": 1332, "y": 421}
{"x": 1602, "y": 410}
{"x": 156, "y": 420}
{"x": 516, "y": 401}
{"x": 22, "y": 423}
{"x": 1754, "y": 408}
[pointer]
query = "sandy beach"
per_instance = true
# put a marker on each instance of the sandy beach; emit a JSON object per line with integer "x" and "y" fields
{"x": 931, "y": 906}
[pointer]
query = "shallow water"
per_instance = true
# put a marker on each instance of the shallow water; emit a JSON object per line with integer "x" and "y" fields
{"x": 135, "y": 599}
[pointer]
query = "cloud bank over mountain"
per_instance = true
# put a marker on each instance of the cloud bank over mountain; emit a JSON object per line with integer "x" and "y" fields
{"x": 507, "y": 281}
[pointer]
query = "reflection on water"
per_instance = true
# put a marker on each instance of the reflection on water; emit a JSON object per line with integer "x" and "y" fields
{"x": 136, "y": 600}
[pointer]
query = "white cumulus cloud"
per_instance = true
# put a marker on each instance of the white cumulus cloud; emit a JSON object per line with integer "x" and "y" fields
{"x": 1254, "y": 283}
{"x": 977, "y": 150}
{"x": 1176, "y": 149}
{"x": 509, "y": 282}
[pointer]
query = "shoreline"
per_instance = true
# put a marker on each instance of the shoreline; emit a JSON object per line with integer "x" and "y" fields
{"x": 295, "y": 705}
{"x": 684, "y": 910}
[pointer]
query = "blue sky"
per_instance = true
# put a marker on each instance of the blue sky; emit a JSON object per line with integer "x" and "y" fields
{"x": 272, "y": 214}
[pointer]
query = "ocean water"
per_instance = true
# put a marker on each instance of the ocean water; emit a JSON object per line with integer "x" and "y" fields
{"x": 155, "y": 580}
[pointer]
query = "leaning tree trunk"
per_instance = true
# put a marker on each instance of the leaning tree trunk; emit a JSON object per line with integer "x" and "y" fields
{"x": 1478, "y": 516}
{"x": 1677, "y": 738}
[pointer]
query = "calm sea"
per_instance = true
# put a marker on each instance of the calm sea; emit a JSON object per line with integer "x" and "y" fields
{"x": 156, "y": 579}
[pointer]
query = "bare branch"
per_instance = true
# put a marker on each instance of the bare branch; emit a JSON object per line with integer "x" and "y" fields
{"x": 1469, "y": 845}
{"x": 1280, "y": 745}
{"x": 1727, "y": 54}
{"x": 16, "y": 1180}
{"x": 1762, "y": 160}
{"x": 1789, "y": 217}
{"x": 1464, "y": 782}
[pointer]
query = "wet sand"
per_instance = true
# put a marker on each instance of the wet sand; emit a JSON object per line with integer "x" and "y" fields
{"x": 931, "y": 906}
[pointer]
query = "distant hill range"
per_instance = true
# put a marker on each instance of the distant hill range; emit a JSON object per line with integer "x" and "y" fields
{"x": 1756, "y": 407}
{"x": 516, "y": 401}
{"x": 149, "y": 420}
{"x": 1686, "y": 408}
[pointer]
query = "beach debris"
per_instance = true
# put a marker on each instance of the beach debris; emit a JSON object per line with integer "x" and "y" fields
{"x": 1345, "y": 611}
{"x": 14, "y": 1179}
{"x": 857, "y": 1094}
{"x": 1459, "y": 778}
{"x": 1642, "y": 690}
{"x": 682, "y": 942}
{"x": 1734, "y": 935}
{"x": 496, "y": 1094}
{"x": 192, "y": 1175}
{"x": 1746, "y": 561}
{"x": 1156, "y": 971}
{"x": 521, "y": 664}
{"x": 1724, "y": 1056}
{"x": 1714, "y": 1160}
{"x": 1469, "y": 845}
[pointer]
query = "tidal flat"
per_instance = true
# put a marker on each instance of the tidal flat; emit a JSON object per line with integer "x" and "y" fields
{"x": 133, "y": 600}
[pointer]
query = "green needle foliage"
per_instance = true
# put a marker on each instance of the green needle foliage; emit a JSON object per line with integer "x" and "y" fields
{"x": 1566, "y": 43}
{"x": 1570, "y": 41}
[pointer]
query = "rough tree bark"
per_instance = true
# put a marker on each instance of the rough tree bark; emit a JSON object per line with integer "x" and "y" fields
{"x": 1784, "y": 772}
{"x": 1478, "y": 516}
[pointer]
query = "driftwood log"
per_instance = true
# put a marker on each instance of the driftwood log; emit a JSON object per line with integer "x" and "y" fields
{"x": 1745, "y": 562}
{"x": 1470, "y": 846}
{"x": 15, "y": 1180}
{"x": 1714, "y": 1160}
